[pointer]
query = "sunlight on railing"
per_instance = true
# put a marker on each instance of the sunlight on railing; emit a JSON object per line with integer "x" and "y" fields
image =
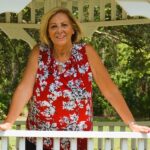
{"x": 73, "y": 135}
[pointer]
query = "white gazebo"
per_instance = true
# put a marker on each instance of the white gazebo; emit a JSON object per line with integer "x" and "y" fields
{"x": 134, "y": 8}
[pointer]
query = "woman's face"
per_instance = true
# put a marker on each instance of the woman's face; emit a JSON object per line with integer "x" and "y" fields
{"x": 60, "y": 29}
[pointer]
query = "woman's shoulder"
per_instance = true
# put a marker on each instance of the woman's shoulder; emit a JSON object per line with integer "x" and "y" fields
{"x": 91, "y": 53}
{"x": 90, "y": 49}
{"x": 35, "y": 50}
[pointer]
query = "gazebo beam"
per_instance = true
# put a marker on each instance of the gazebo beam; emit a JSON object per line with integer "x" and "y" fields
{"x": 117, "y": 16}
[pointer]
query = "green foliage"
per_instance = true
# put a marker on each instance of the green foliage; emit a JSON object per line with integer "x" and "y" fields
{"x": 4, "y": 102}
{"x": 125, "y": 52}
{"x": 13, "y": 57}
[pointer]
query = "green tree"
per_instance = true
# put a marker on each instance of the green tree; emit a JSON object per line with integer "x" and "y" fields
{"x": 125, "y": 52}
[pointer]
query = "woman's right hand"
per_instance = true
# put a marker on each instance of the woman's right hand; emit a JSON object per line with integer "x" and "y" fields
{"x": 5, "y": 126}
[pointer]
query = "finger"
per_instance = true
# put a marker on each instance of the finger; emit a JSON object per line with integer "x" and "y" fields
{"x": 144, "y": 129}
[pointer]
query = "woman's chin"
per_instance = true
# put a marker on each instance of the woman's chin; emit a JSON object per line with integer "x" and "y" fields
{"x": 61, "y": 42}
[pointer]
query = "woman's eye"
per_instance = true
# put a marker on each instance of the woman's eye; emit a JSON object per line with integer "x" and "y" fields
{"x": 64, "y": 25}
{"x": 53, "y": 27}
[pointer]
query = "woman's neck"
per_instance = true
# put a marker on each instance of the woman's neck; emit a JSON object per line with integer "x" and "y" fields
{"x": 62, "y": 53}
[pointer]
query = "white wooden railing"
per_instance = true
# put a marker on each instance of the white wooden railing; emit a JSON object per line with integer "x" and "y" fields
{"x": 106, "y": 139}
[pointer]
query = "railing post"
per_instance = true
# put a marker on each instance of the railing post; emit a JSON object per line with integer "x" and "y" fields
{"x": 107, "y": 144}
{"x": 39, "y": 143}
{"x": 21, "y": 143}
{"x": 124, "y": 144}
{"x": 90, "y": 145}
{"x": 73, "y": 143}
{"x": 56, "y": 143}
{"x": 140, "y": 144}
{"x": 5, "y": 143}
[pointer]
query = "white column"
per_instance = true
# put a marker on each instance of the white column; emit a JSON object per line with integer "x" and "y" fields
{"x": 140, "y": 144}
{"x": 56, "y": 143}
{"x": 39, "y": 143}
{"x": 4, "y": 145}
{"x": 107, "y": 144}
{"x": 73, "y": 143}
{"x": 90, "y": 145}
{"x": 21, "y": 143}
{"x": 124, "y": 144}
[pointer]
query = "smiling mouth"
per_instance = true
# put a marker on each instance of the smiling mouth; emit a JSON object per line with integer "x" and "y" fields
{"x": 61, "y": 38}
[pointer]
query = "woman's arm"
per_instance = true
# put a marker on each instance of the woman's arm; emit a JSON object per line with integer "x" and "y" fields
{"x": 110, "y": 90}
{"x": 23, "y": 91}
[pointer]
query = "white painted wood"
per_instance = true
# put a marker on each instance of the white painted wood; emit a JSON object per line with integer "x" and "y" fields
{"x": 141, "y": 144}
{"x": 19, "y": 33}
{"x": 33, "y": 11}
{"x": 113, "y": 9}
{"x": 73, "y": 145}
{"x": 39, "y": 143}
{"x": 91, "y": 10}
{"x": 4, "y": 145}
{"x": 69, "y": 5}
{"x": 124, "y": 144}
{"x": 73, "y": 134}
{"x": 124, "y": 14}
{"x": 7, "y": 17}
{"x": 86, "y": 134}
{"x": 102, "y": 10}
{"x": 80, "y": 10}
{"x": 107, "y": 144}
{"x": 20, "y": 17}
{"x": 58, "y": 3}
{"x": 21, "y": 143}
{"x": 48, "y": 5}
{"x": 88, "y": 27}
{"x": 90, "y": 144}
{"x": 57, "y": 144}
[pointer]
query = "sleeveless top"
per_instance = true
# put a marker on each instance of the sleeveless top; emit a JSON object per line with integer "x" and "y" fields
{"x": 61, "y": 100}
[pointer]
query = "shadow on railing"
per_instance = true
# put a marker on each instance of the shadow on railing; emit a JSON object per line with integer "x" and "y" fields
{"x": 105, "y": 139}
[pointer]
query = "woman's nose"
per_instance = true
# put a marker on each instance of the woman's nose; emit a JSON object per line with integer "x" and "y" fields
{"x": 59, "y": 29}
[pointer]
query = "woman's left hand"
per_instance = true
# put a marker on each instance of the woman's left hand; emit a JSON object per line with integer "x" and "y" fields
{"x": 139, "y": 128}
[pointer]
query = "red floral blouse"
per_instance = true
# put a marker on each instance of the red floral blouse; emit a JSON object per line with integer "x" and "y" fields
{"x": 62, "y": 100}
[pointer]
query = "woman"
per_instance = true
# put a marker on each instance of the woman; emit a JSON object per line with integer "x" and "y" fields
{"x": 58, "y": 79}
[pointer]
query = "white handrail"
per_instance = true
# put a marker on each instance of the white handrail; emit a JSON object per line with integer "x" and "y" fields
{"x": 73, "y": 134}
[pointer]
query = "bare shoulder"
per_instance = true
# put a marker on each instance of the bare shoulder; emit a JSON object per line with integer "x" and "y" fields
{"x": 90, "y": 49}
{"x": 35, "y": 51}
{"x": 92, "y": 54}
{"x": 33, "y": 59}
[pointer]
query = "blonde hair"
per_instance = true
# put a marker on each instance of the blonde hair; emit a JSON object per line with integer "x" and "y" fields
{"x": 44, "y": 36}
